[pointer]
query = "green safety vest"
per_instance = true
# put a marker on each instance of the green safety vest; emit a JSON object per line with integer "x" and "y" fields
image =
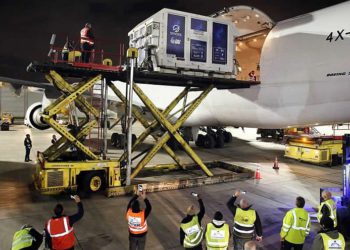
{"x": 243, "y": 223}
{"x": 22, "y": 239}
{"x": 193, "y": 233}
{"x": 217, "y": 238}
{"x": 296, "y": 226}
{"x": 333, "y": 244}
{"x": 332, "y": 207}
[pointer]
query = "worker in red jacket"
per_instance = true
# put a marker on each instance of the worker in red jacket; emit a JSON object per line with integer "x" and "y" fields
{"x": 59, "y": 229}
{"x": 137, "y": 221}
{"x": 87, "y": 43}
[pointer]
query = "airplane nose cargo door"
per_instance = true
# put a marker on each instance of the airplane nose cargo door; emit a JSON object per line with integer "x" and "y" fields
{"x": 253, "y": 26}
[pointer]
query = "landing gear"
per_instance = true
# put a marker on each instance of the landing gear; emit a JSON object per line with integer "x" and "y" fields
{"x": 119, "y": 140}
{"x": 215, "y": 137}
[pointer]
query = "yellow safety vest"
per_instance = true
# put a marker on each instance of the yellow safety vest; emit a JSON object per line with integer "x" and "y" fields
{"x": 22, "y": 239}
{"x": 193, "y": 233}
{"x": 296, "y": 226}
{"x": 333, "y": 244}
{"x": 332, "y": 207}
{"x": 243, "y": 223}
{"x": 217, "y": 238}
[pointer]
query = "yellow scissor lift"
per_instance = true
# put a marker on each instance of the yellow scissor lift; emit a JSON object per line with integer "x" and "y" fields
{"x": 54, "y": 175}
{"x": 93, "y": 173}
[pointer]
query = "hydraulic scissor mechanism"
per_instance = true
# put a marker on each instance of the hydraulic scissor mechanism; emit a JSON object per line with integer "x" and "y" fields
{"x": 168, "y": 122}
{"x": 76, "y": 134}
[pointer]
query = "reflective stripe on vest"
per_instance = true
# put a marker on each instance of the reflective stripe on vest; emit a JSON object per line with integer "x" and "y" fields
{"x": 295, "y": 227}
{"x": 22, "y": 239}
{"x": 332, "y": 211}
{"x": 217, "y": 238}
{"x": 193, "y": 232}
{"x": 137, "y": 222}
{"x": 333, "y": 244}
{"x": 243, "y": 224}
{"x": 67, "y": 230}
{"x": 84, "y": 36}
{"x": 298, "y": 229}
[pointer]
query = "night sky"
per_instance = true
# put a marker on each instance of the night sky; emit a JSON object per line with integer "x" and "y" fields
{"x": 26, "y": 26}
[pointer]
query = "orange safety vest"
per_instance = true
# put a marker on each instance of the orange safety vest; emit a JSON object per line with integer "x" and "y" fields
{"x": 62, "y": 234}
{"x": 137, "y": 222}
{"x": 84, "y": 38}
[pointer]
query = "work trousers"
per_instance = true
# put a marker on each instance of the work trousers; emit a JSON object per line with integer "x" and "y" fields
{"x": 137, "y": 243}
{"x": 289, "y": 246}
{"x": 27, "y": 157}
{"x": 199, "y": 247}
{"x": 238, "y": 243}
{"x": 86, "y": 49}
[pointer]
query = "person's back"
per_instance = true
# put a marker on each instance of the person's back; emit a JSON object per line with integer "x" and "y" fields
{"x": 27, "y": 238}
{"x": 217, "y": 235}
{"x": 137, "y": 222}
{"x": 296, "y": 226}
{"x": 328, "y": 237}
{"x": 59, "y": 229}
{"x": 191, "y": 231}
{"x": 327, "y": 208}
{"x": 299, "y": 220}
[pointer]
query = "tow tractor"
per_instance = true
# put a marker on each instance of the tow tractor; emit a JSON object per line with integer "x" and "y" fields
{"x": 6, "y": 120}
{"x": 316, "y": 149}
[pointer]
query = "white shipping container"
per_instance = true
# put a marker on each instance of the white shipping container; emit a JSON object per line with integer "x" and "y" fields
{"x": 180, "y": 41}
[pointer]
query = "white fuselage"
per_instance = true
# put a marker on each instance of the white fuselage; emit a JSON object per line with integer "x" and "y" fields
{"x": 296, "y": 88}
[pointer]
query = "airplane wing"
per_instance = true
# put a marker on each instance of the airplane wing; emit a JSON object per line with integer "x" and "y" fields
{"x": 17, "y": 84}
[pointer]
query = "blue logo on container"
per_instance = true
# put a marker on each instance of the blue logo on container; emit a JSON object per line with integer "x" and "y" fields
{"x": 176, "y": 28}
{"x": 176, "y": 36}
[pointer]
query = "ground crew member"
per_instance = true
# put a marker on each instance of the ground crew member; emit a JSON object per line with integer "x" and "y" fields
{"x": 327, "y": 208}
{"x": 137, "y": 221}
{"x": 217, "y": 235}
{"x": 87, "y": 42}
{"x": 27, "y": 238}
{"x": 28, "y": 147}
{"x": 296, "y": 226}
{"x": 328, "y": 238}
{"x": 54, "y": 139}
{"x": 246, "y": 221}
{"x": 191, "y": 231}
{"x": 59, "y": 229}
{"x": 252, "y": 76}
{"x": 67, "y": 47}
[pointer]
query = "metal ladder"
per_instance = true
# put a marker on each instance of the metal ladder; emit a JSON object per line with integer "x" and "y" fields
{"x": 74, "y": 136}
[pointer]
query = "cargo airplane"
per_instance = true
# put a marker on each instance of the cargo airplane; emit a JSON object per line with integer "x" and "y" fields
{"x": 303, "y": 65}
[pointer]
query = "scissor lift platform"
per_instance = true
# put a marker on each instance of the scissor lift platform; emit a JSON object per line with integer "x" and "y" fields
{"x": 88, "y": 75}
{"x": 116, "y": 73}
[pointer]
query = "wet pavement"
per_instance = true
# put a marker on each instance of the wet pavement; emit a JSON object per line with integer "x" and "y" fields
{"x": 103, "y": 225}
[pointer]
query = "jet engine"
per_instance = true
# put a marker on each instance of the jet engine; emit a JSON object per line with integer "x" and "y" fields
{"x": 33, "y": 117}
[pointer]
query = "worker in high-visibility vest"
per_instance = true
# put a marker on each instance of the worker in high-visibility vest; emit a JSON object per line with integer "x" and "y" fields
{"x": 27, "y": 238}
{"x": 327, "y": 208}
{"x": 217, "y": 233}
{"x": 328, "y": 238}
{"x": 59, "y": 229}
{"x": 137, "y": 221}
{"x": 296, "y": 226}
{"x": 191, "y": 231}
{"x": 246, "y": 222}
{"x": 87, "y": 42}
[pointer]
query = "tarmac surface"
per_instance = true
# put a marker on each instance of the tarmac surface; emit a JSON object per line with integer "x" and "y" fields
{"x": 104, "y": 226}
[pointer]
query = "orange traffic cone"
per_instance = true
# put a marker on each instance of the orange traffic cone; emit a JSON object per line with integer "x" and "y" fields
{"x": 257, "y": 174}
{"x": 275, "y": 164}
